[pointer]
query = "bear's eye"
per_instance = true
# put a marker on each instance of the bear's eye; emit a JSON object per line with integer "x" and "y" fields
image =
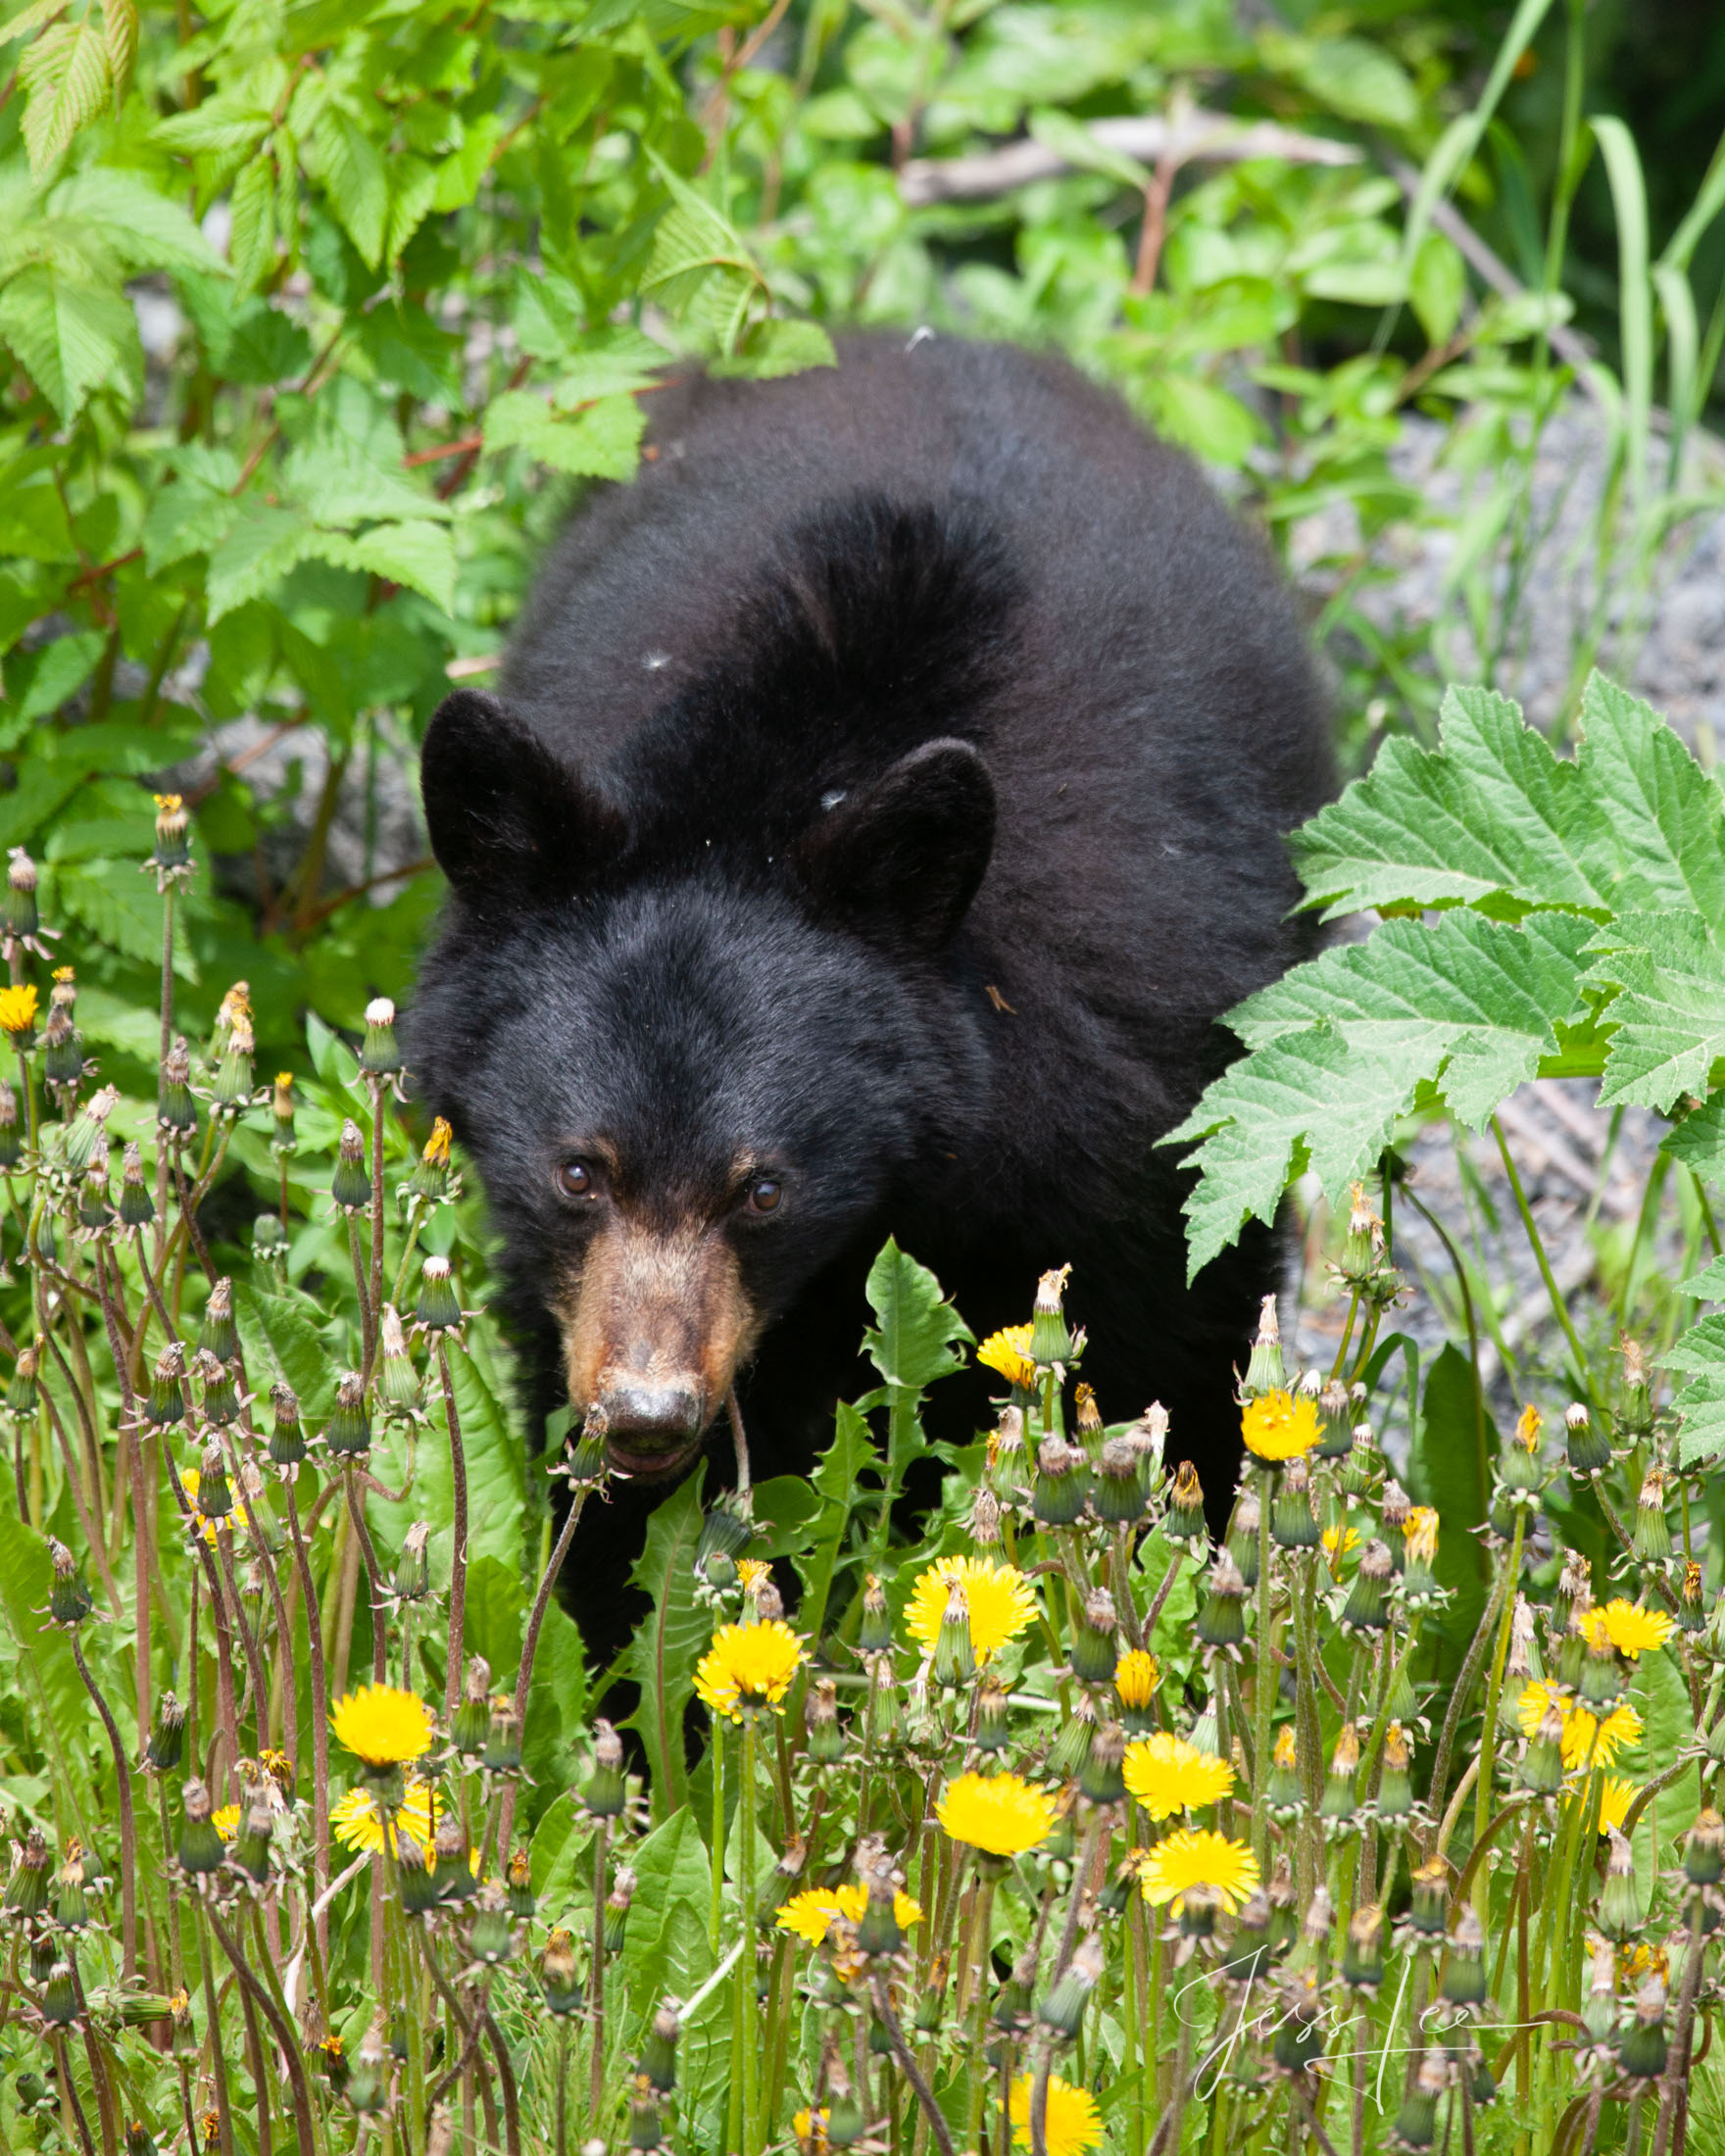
{"x": 575, "y": 1178}
{"x": 764, "y": 1193}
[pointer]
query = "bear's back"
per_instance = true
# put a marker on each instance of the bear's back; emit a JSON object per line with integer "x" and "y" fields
{"x": 1079, "y": 602}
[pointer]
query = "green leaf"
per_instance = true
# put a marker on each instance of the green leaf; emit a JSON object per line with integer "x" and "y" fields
{"x": 252, "y": 239}
{"x": 25, "y": 1577}
{"x": 68, "y": 336}
{"x": 1698, "y": 1141}
{"x": 67, "y": 76}
{"x": 494, "y": 1617}
{"x": 1665, "y": 815}
{"x": 556, "y": 1710}
{"x": 122, "y": 907}
{"x": 775, "y": 348}
{"x": 668, "y": 1642}
{"x": 1446, "y": 1469}
{"x": 665, "y": 1946}
{"x": 263, "y": 544}
{"x": 917, "y": 1326}
{"x": 354, "y": 174}
{"x": 1492, "y": 812}
{"x": 420, "y": 556}
{"x": 283, "y": 1335}
{"x": 230, "y": 125}
{"x": 146, "y": 229}
{"x": 62, "y": 669}
{"x": 601, "y": 443}
{"x": 1669, "y": 1014}
{"x": 836, "y": 1482}
{"x": 559, "y": 1838}
{"x": 1438, "y": 287}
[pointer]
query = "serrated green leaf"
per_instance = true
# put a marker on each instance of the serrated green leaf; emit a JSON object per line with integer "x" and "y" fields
{"x": 283, "y": 1335}
{"x": 30, "y": 18}
{"x": 1482, "y": 1000}
{"x": 1698, "y": 1141}
{"x": 260, "y": 548}
{"x": 1665, "y": 815}
{"x": 1446, "y": 1470}
{"x": 666, "y": 1947}
{"x": 119, "y": 28}
{"x": 62, "y": 669}
{"x": 346, "y": 469}
{"x": 251, "y": 243}
{"x": 68, "y": 336}
{"x": 668, "y": 1642}
{"x": 1700, "y": 1352}
{"x": 121, "y": 908}
{"x": 420, "y": 556}
{"x": 917, "y": 1328}
{"x": 1491, "y": 811}
{"x": 1669, "y": 1015}
{"x": 144, "y": 229}
{"x": 413, "y": 190}
{"x": 601, "y": 443}
{"x": 228, "y": 126}
{"x": 65, "y": 76}
{"x": 1702, "y": 1405}
{"x": 355, "y": 176}
{"x": 194, "y": 513}
{"x": 778, "y": 348}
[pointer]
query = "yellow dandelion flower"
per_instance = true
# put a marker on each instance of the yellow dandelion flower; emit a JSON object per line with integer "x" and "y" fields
{"x": 1197, "y": 1857}
{"x": 169, "y": 803}
{"x": 436, "y": 1153}
{"x": 1338, "y": 1542}
{"x": 354, "y": 1824}
{"x": 1168, "y": 1775}
{"x": 999, "y": 1598}
{"x": 226, "y": 1820}
{"x": 18, "y": 1014}
{"x": 809, "y": 2129}
{"x": 1632, "y": 1629}
{"x": 191, "y": 1482}
{"x": 1615, "y": 1797}
{"x": 747, "y": 1666}
{"x": 1073, "y": 2122}
{"x": 1634, "y": 1963}
{"x": 1622, "y": 1727}
{"x": 811, "y": 1914}
{"x": 1528, "y": 1426}
{"x": 753, "y": 1573}
{"x": 999, "y": 1813}
{"x": 1135, "y": 1677}
{"x": 1419, "y": 1533}
{"x": 383, "y": 1724}
{"x": 1009, "y": 1353}
{"x": 1278, "y": 1426}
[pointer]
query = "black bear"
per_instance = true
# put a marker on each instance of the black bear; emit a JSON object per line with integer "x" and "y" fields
{"x": 885, "y": 794}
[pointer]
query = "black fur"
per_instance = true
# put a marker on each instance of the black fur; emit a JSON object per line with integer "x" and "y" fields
{"x": 1070, "y": 713}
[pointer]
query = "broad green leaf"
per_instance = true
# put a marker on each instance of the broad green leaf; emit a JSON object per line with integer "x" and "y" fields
{"x": 917, "y": 1327}
{"x": 495, "y": 1615}
{"x": 835, "y": 1479}
{"x": 227, "y": 125}
{"x": 145, "y": 228}
{"x": 63, "y": 668}
{"x": 284, "y": 1335}
{"x": 1669, "y": 1014}
{"x": 194, "y": 511}
{"x": 1699, "y": 1355}
{"x": 1698, "y": 1141}
{"x": 252, "y": 240}
{"x": 602, "y": 442}
{"x": 668, "y": 1642}
{"x": 354, "y": 172}
{"x": 68, "y": 336}
{"x": 1700, "y": 1352}
{"x": 420, "y": 556}
{"x": 346, "y": 468}
{"x": 776, "y": 348}
{"x": 46, "y": 1654}
{"x": 66, "y": 74}
{"x": 122, "y": 907}
{"x": 665, "y": 1946}
{"x": 556, "y": 1710}
{"x": 562, "y": 1834}
{"x": 1481, "y": 1000}
{"x": 1665, "y": 815}
{"x": 1449, "y": 1468}
{"x": 258, "y": 550}
{"x": 1491, "y": 813}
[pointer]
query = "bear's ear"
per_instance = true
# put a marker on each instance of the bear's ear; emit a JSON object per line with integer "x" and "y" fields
{"x": 900, "y": 860}
{"x": 505, "y": 818}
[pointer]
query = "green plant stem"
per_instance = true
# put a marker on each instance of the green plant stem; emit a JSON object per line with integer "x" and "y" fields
{"x": 457, "y": 1564}
{"x": 596, "y": 1988}
{"x": 128, "y": 1838}
{"x": 1488, "y": 1739}
{"x": 374, "y": 1287}
{"x": 213, "y": 2020}
{"x": 753, "y": 2141}
{"x": 160, "y": 1238}
{"x": 1559, "y": 1308}
{"x": 320, "y": 1718}
{"x": 912, "y": 2073}
{"x": 1264, "y": 1684}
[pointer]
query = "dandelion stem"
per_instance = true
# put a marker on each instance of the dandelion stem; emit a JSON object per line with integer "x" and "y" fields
{"x": 530, "y": 1649}
{"x": 218, "y": 2060}
{"x": 746, "y": 1808}
{"x": 716, "y": 1841}
{"x": 458, "y": 1567}
{"x": 1488, "y": 1737}
{"x": 286, "y": 2040}
{"x": 596, "y": 1990}
{"x": 320, "y": 1718}
{"x": 356, "y": 1505}
{"x": 1559, "y": 1308}
{"x": 373, "y": 1290}
{"x": 912, "y": 2073}
{"x": 165, "y": 1045}
{"x": 129, "y": 1891}
{"x": 1263, "y": 1694}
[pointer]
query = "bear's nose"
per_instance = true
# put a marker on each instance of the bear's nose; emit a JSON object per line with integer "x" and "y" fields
{"x": 645, "y": 1420}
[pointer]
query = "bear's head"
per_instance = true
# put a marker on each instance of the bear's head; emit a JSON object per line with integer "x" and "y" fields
{"x": 696, "y": 1070}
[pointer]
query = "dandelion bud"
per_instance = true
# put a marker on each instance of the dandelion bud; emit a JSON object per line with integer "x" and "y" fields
{"x": 1635, "y": 1417}
{"x": 1367, "y": 1607}
{"x": 27, "y": 1891}
{"x": 764, "y": 1605}
{"x": 875, "y": 1634}
{"x": 1361, "y": 1466}
{"x": 1641, "y": 2050}
{"x": 560, "y": 1976}
{"x": 491, "y": 1937}
{"x": 1049, "y": 1340}
{"x": 412, "y": 1568}
{"x": 173, "y": 846}
{"x": 200, "y": 1844}
{"x": 380, "y": 1057}
{"x": 1221, "y": 1616}
{"x": 1094, "y": 1654}
{"x": 416, "y": 1875}
{"x": 1704, "y": 1850}
{"x": 1420, "y": 1550}
{"x": 10, "y": 1141}
{"x": 1599, "y": 2009}
{"x": 1541, "y": 1766}
{"x": 1072, "y": 1747}
{"x": 1604, "y": 1685}
{"x": 232, "y": 1089}
{"x": 436, "y": 1311}
{"x": 1135, "y": 1677}
{"x": 251, "y": 1846}
{"x": 1620, "y": 1911}
{"x": 63, "y": 1050}
{"x": 503, "y": 1737}
{"x": 215, "y": 1499}
{"x": 1395, "y": 1798}
{"x": 282, "y": 1108}
{"x": 287, "y": 1441}
{"x": 1102, "y": 1778}
{"x": 220, "y": 1395}
{"x": 94, "y": 1213}
{"x": 1691, "y": 1613}
{"x": 398, "y": 1382}
{"x": 1464, "y": 1981}
{"x": 348, "y": 1431}
{"x": 646, "y": 2130}
{"x": 60, "y": 1998}
{"x": 68, "y": 1598}
{"x": 177, "y": 1113}
{"x": 1293, "y": 1522}
{"x": 658, "y": 2056}
{"x": 1392, "y": 1516}
{"x": 604, "y": 1795}
{"x": 429, "y": 1181}
{"x": 1117, "y": 1491}
{"x": 616, "y": 1909}
{"x": 473, "y": 1718}
{"x": 33, "y": 2093}
{"x": 826, "y": 1740}
{"x": 1265, "y": 1373}
{"x": 20, "y": 918}
{"x": 878, "y": 1932}
{"x": 1589, "y": 1449}
{"x": 1284, "y": 1795}
{"x": 1057, "y": 1498}
{"x": 1417, "y": 2123}
{"x": 22, "y": 1392}
{"x": 1087, "y": 1417}
{"x": 993, "y": 1731}
{"x": 1653, "y": 1533}
{"x": 1333, "y": 1411}
{"x": 452, "y": 1871}
{"x": 368, "y": 2091}
{"x": 162, "y": 1754}
{"x": 985, "y": 1520}
{"x": 350, "y": 1187}
{"x": 137, "y": 1206}
{"x": 1362, "y": 1956}
{"x": 1340, "y": 1801}
{"x": 1064, "y": 2009}
{"x": 1184, "y": 1523}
